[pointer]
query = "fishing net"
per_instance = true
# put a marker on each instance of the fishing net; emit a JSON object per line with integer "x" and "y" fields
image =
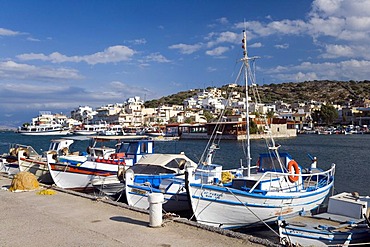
{"x": 24, "y": 181}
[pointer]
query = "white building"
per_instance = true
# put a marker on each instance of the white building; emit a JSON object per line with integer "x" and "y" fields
{"x": 85, "y": 114}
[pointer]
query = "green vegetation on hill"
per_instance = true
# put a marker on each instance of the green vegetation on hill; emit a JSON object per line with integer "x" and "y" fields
{"x": 335, "y": 92}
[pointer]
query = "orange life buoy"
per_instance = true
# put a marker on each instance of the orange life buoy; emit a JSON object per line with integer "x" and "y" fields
{"x": 293, "y": 165}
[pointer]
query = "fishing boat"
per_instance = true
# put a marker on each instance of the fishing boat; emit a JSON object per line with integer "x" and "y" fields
{"x": 31, "y": 161}
{"x": 113, "y": 130}
{"x": 158, "y": 173}
{"x": 102, "y": 161}
{"x": 91, "y": 129}
{"x": 110, "y": 186}
{"x": 250, "y": 195}
{"x": 152, "y": 131}
{"x": 9, "y": 161}
{"x": 344, "y": 223}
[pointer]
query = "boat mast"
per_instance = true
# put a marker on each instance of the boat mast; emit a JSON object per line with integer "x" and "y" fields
{"x": 245, "y": 61}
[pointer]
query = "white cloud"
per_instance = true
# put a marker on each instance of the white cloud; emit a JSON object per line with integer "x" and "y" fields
{"x": 20, "y": 96}
{"x": 33, "y": 39}
{"x": 217, "y": 51}
{"x": 211, "y": 69}
{"x": 223, "y": 20}
{"x": 256, "y": 45}
{"x": 334, "y": 51}
{"x": 345, "y": 70}
{"x": 286, "y": 27}
{"x": 186, "y": 49}
{"x": 7, "y": 32}
{"x": 342, "y": 27}
{"x": 282, "y": 46}
{"x": 127, "y": 88}
{"x": 112, "y": 54}
{"x": 156, "y": 57}
{"x": 223, "y": 37}
{"x": 141, "y": 41}
{"x": 10, "y": 69}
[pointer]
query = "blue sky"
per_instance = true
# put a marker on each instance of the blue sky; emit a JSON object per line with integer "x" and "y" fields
{"x": 57, "y": 55}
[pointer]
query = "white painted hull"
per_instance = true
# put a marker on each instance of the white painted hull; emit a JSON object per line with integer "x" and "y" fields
{"x": 110, "y": 185}
{"x": 231, "y": 206}
{"x": 172, "y": 202}
{"x": 68, "y": 180}
{"x": 322, "y": 237}
{"x": 10, "y": 168}
{"x": 81, "y": 132}
{"x": 79, "y": 177}
{"x": 230, "y": 210}
{"x": 38, "y": 167}
{"x": 175, "y": 196}
{"x": 45, "y": 133}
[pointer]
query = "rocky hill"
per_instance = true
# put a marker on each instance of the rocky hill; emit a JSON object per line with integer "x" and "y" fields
{"x": 336, "y": 92}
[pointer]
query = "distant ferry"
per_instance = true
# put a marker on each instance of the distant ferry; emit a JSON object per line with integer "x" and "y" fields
{"x": 44, "y": 124}
{"x": 44, "y": 129}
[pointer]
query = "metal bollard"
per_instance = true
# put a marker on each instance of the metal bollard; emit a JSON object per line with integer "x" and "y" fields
{"x": 155, "y": 209}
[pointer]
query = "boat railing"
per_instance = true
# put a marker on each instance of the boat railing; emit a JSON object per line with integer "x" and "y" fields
{"x": 30, "y": 151}
{"x": 310, "y": 181}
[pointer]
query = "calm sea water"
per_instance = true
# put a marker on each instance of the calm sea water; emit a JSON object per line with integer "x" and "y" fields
{"x": 350, "y": 153}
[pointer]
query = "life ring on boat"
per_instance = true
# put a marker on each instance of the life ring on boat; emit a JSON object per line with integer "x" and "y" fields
{"x": 294, "y": 169}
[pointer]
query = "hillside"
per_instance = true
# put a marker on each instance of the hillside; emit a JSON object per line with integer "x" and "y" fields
{"x": 337, "y": 92}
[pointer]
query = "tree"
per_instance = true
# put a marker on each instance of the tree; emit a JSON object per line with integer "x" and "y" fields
{"x": 270, "y": 114}
{"x": 190, "y": 120}
{"x": 208, "y": 116}
{"x": 253, "y": 129}
{"x": 328, "y": 114}
{"x": 315, "y": 115}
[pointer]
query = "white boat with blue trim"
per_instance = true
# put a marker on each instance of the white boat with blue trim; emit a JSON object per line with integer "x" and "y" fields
{"x": 251, "y": 195}
{"x": 158, "y": 173}
{"x": 344, "y": 223}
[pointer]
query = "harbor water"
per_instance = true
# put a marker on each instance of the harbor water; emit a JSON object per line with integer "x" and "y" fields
{"x": 350, "y": 153}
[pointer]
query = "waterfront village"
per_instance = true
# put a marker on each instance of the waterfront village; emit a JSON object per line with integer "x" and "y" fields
{"x": 198, "y": 116}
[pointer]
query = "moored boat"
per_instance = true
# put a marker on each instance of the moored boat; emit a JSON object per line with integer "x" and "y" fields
{"x": 101, "y": 162}
{"x": 158, "y": 173}
{"x": 9, "y": 161}
{"x": 30, "y": 161}
{"x": 91, "y": 129}
{"x": 44, "y": 124}
{"x": 253, "y": 195}
{"x": 344, "y": 223}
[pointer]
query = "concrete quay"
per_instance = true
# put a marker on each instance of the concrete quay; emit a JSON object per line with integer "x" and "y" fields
{"x": 69, "y": 218}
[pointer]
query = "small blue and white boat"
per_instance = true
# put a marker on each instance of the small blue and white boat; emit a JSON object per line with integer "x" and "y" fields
{"x": 158, "y": 173}
{"x": 344, "y": 223}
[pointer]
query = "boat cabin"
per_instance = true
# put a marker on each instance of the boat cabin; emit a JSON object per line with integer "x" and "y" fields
{"x": 269, "y": 162}
{"x": 61, "y": 146}
{"x": 133, "y": 150}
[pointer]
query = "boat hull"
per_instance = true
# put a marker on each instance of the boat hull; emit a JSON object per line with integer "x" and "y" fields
{"x": 109, "y": 185}
{"x": 45, "y": 133}
{"x": 227, "y": 207}
{"x": 171, "y": 186}
{"x": 76, "y": 174}
{"x": 321, "y": 236}
{"x": 38, "y": 167}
